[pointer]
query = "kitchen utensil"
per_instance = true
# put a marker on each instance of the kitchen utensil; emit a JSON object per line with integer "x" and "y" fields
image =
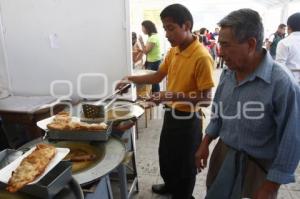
{"x": 97, "y": 109}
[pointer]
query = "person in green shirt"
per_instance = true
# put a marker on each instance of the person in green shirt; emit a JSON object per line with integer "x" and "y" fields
{"x": 151, "y": 49}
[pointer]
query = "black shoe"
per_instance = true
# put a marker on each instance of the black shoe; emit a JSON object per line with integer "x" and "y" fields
{"x": 160, "y": 189}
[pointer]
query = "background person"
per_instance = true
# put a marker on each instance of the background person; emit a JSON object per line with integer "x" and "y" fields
{"x": 274, "y": 38}
{"x": 151, "y": 49}
{"x": 137, "y": 52}
{"x": 288, "y": 49}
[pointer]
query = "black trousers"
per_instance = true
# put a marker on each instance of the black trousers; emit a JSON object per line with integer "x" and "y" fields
{"x": 153, "y": 66}
{"x": 179, "y": 141}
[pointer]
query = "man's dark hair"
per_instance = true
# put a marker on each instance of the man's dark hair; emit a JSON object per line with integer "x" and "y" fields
{"x": 245, "y": 23}
{"x": 149, "y": 26}
{"x": 281, "y": 26}
{"x": 294, "y": 22}
{"x": 179, "y": 14}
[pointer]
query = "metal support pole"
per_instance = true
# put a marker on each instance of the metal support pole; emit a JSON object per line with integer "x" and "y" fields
{"x": 108, "y": 187}
{"x": 123, "y": 181}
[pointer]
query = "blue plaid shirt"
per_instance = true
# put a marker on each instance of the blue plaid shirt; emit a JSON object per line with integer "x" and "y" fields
{"x": 261, "y": 116}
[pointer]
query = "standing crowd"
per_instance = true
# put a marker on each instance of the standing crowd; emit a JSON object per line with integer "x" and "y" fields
{"x": 255, "y": 110}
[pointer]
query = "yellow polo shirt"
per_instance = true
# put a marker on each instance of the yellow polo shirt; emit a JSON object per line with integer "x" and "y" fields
{"x": 188, "y": 71}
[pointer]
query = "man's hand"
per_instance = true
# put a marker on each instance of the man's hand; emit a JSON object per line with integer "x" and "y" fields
{"x": 203, "y": 153}
{"x": 201, "y": 156}
{"x": 268, "y": 190}
{"x": 121, "y": 84}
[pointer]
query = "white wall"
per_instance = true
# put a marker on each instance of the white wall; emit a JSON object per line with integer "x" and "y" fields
{"x": 4, "y": 84}
{"x": 91, "y": 38}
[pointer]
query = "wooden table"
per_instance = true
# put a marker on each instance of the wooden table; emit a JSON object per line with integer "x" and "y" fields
{"x": 19, "y": 115}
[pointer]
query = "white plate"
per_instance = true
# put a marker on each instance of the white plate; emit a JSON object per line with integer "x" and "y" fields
{"x": 43, "y": 123}
{"x": 6, "y": 172}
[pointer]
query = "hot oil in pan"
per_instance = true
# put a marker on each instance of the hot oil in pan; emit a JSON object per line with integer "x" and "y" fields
{"x": 6, "y": 195}
{"x": 78, "y": 153}
{"x": 18, "y": 195}
{"x": 123, "y": 111}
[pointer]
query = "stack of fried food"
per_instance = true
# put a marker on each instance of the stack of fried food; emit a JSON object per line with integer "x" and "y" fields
{"x": 63, "y": 122}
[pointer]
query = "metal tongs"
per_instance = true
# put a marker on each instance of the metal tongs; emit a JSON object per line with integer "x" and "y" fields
{"x": 139, "y": 102}
{"x": 98, "y": 108}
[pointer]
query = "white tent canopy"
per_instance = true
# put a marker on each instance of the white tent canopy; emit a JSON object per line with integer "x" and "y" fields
{"x": 207, "y": 13}
{"x": 274, "y": 3}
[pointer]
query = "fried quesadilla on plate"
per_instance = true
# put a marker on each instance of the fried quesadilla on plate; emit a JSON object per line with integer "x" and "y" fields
{"x": 31, "y": 167}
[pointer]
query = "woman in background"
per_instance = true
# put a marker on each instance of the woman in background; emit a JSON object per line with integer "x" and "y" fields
{"x": 203, "y": 37}
{"x": 137, "y": 52}
{"x": 151, "y": 49}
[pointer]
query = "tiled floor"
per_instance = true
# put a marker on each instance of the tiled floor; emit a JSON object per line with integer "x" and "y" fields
{"x": 148, "y": 169}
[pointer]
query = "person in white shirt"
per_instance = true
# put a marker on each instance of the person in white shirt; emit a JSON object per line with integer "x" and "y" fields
{"x": 288, "y": 49}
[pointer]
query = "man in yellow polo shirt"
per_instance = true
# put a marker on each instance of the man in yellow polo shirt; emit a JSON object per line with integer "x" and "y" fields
{"x": 188, "y": 68}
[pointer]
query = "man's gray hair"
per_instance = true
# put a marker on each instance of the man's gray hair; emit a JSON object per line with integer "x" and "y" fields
{"x": 245, "y": 23}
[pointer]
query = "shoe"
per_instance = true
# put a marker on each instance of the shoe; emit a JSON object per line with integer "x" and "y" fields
{"x": 160, "y": 189}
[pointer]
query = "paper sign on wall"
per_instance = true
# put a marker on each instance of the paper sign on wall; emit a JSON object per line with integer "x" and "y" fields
{"x": 54, "y": 43}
